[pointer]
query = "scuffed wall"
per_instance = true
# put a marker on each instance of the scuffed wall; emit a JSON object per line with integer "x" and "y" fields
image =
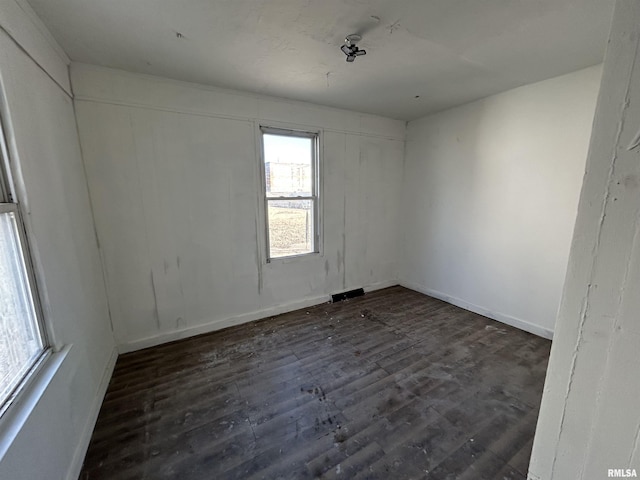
{"x": 45, "y": 433}
{"x": 173, "y": 175}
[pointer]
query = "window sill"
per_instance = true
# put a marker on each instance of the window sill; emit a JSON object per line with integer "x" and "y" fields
{"x": 19, "y": 411}
{"x": 294, "y": 258}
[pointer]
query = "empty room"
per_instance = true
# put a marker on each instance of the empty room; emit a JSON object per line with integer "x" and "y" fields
{"x": 295, "y": 239}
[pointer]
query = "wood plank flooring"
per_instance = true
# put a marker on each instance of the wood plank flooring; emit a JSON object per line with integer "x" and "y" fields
{"x": 391, "y": 385}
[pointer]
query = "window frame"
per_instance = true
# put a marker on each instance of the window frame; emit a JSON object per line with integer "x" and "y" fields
{"x": 9, "y": 204}
{"x": 315, "y": 198}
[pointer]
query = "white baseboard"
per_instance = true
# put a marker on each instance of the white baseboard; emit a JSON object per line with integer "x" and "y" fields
{"x": 500, "y": 317}
{"x": 380, "y": 285}
{"x": 83, "y": 444}
{"x": 236, "y": 320}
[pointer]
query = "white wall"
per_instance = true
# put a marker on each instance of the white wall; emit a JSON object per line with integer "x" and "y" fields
{"x": 21, "y": 23}
{"x": 46, "y": 436}
{"x": 173, "y": 175}
{"x": 589, "y": 418}
{"x": 490, "y": 196}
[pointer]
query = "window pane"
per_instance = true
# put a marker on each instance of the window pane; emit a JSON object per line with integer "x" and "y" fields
{"x": 287, "y": 165}
{"x": 20, "y": 340}
{"x": 290, "y": 227}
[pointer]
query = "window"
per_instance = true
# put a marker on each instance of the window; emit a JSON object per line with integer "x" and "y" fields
{"x": 290, "y": 183}
{"x": 22, "y": 340}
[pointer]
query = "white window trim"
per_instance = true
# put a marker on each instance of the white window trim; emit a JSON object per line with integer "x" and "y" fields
{"x": 27, "y": 397}
{"x": 317, "y": 190}
{"x": 26, "y": 390}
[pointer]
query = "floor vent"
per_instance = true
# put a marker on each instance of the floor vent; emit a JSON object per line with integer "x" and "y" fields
{"x": 338, "y": 297}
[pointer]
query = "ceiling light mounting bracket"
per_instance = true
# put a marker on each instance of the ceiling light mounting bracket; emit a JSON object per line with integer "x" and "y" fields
{"x": 350, "y": 47}
{"x": 352, "y": 39}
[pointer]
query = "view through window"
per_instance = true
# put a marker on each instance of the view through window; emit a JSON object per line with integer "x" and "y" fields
{"x": 290, "y": 180}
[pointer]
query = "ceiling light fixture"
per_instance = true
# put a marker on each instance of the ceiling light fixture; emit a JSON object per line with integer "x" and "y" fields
{"x": 350, "y": 49}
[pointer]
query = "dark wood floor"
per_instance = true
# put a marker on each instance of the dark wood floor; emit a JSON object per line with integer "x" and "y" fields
{"x": 392, "y": 385}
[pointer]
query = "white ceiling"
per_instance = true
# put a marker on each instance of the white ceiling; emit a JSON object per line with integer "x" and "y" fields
{"x": 447, "y": 52}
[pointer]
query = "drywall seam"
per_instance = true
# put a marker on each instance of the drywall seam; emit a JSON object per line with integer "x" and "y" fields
{"x": 237, "y": 320}
{"x": 156, "y": 310}
{"x": 259, "y": 238}
{"x": 259, "y": 213}
{"x": 401, "y": 254}
{"x": 103, "y": 266}
{"x": 43, "y": 30}
{"x": 83, "y": 443}
{"x": 44, "y": 70}
{"x": 220, "y": 90}
{"x": 344, "y": 219}
{"x": 26, "y": 30}
{"x": 93, "y": 218}
{"x": 592, "y": 269}
{"x": 243, "y": 118}
{"x": 145, "y": 221}
{"x": 500, "y": 317}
